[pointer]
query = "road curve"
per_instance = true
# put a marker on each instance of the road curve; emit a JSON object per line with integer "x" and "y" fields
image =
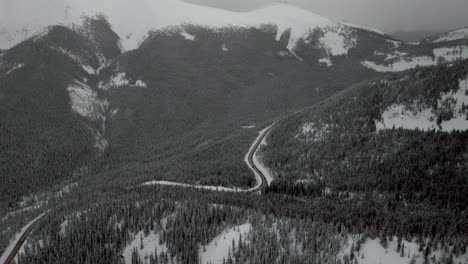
{"x": 21, "y": 241}
{"x": 253, "y": 166}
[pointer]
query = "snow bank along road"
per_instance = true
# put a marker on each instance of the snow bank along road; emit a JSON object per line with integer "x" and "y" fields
{"x": 261, "y": 173}
{"x": 10, "y": 253}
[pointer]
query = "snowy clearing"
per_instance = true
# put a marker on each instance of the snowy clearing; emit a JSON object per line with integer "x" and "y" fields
{"x": 202, "y": 187}
{"x": 144, "y": 247}
{"x": 313, "y": 132}
{"x": 372, "y": 252}
{"x": 15, "y": 241}
{"x": 218, "y": 249}
{"x": 414, "y": 117}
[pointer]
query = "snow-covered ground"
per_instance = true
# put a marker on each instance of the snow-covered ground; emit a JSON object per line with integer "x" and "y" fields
{"x": 132, "y": 21}
{"x": 372, "y": 252}
{"x": 218, "y": 249}
{"x": 13, "y": 243}
{"x": 400, "y": 116}
{"x": 404, "y": 62}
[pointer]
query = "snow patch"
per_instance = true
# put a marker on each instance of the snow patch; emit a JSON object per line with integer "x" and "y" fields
{"x": 88, "y": 69}
{"x": 120, "y": 80}
{"x": 187, "y": 36}
{"x": 218, "y": 249}
{"x": 248, "y": 127}
{"x": 326, "y": 61}
{"x": 84, "y": 100}
{"x": 117, "y": 80}
{"x": 224, "y": 48}
{"x": 139, "y": 83}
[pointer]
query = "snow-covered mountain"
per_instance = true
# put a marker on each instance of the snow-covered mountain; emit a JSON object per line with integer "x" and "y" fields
{"x": 132, "y": 20}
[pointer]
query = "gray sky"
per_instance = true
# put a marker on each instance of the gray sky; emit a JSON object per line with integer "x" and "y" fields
{"x": 387, "y": 15}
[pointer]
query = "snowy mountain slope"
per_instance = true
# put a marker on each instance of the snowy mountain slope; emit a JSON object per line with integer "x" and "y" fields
{"x": 449, "y": 36}
{"x": 132, "y": 21}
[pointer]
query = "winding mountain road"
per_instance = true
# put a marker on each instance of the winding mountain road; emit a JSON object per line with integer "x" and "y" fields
{"x": 10, "y": 254}
{"x": 255, "y": 167}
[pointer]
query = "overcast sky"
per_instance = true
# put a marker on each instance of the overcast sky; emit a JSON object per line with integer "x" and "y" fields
{"x": 387, "y": 15}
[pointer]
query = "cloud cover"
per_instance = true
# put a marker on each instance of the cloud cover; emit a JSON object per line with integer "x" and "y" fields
{"x": 388, "y": 15}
